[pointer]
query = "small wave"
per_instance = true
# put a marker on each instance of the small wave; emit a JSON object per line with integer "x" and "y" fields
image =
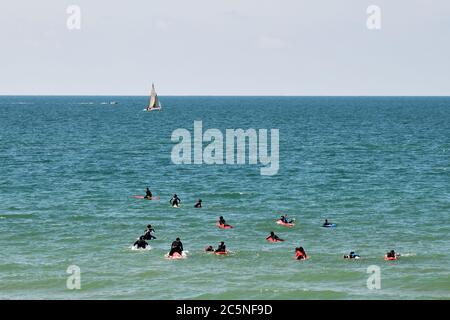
{"x": 408, "y": 254}
{"x": 17, "y": 216}
{"x": 148, "y": 248}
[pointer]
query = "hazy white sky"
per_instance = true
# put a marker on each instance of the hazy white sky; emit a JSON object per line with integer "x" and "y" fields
{"x": 225, "y": 47}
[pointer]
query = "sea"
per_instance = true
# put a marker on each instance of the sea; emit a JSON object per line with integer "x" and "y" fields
{"x": 377, "y": 167}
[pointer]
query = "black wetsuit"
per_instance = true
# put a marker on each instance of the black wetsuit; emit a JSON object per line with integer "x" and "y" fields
{"x": 147, "y": 234}
{"x": 175, "y": 201}
{"x": 198, "y": 205}
{"x": 221, "y": 248}
{"x": 177, "y": 246}
{"x": 148, "y": 194}
{"x": 140, "y": 244}
{"x": 390, "y": 254}
{"x": 274, "y": 237}
{"x": 222, "y": 221}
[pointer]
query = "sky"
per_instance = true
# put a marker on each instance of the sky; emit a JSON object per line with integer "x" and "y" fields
{"x": 225, "y": 47}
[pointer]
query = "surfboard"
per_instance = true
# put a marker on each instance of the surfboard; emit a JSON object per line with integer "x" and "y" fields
{"x": 273, "y": 240}
{"x": 221, "y": 226}
{"x": 221, "y": 253}
{"x": 175, "y": 256}
{"x": 143, "y": 197}
{"x": 285, "y": 224}
{"x": 330, "y": 225}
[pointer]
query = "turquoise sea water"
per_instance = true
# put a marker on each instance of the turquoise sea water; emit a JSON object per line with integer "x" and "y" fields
{"x": 378, "y": 167}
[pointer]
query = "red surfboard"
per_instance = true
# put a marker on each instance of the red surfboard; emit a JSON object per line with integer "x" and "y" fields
{"x": 221, "y": 226}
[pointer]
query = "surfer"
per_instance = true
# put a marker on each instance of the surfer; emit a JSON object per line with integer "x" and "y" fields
{"x": 198, "y": 204}
{"x": 147, "y": 233}
{"x": 221, "y": 247}
{"x": 148, "y": 194}
{"x": 300, "y": 253}
{"x": 222, "y": 222}
{"x": 209, "y": 249}
{"x": 273, "y": 237}
{"x": 284, "y": 218}
{"x": 392, "y": 254}
{"x": 326, "y": 223}
{"x": 140, "y": 243}
{"x": 177, "y": 246}
{"x": 175, "y": 201}
{"x": 352, "y": 255}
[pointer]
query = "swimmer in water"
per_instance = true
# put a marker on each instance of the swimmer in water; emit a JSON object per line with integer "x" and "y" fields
{"x": 209, "y": 249}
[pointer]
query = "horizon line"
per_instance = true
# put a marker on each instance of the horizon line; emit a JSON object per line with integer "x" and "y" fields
{"x": 208, "y": 95}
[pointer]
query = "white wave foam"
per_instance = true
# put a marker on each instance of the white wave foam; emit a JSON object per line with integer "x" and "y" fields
{"x": 148, "y": 248}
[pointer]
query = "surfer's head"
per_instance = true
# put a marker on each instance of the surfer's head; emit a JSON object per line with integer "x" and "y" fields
{"x": 149, "y": 226}
{"x": 178, "y": 239}
{"x": 272, "y": 233}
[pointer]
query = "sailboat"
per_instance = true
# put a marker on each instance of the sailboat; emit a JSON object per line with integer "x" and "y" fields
{"x": 154, "y": 104}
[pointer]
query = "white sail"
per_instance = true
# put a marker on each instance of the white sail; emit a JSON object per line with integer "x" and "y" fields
{"x": 154, "y": 101}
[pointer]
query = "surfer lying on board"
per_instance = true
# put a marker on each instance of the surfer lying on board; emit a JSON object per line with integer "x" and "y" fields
{"x": 148, "y": 194}
{"x": 392, "y": 254}
{"x": 300, "y": 253}
{"x": 177, "y": 246}
{"x": 352, "y": 255}
{"x": 221, "y": 247}
{"x": 140, "y": 243}
{"x": 147, "y": 233}
{"x": 284, "y": 218}
{"x": 222, "y": 222}
{"x": 273, "y": 237}
{"x": 198, "y": 204}
{"x": 175, "y": 201}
